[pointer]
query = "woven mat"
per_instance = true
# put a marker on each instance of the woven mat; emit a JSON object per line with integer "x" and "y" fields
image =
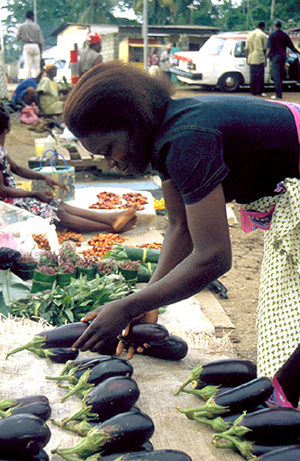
{"x": 24, "y": 374}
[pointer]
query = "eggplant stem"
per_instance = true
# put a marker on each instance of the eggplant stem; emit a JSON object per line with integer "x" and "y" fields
{"x": 195, "y": 374}
{"x": 34, "y": 345}
{"x": 206, "y": 393}
{"x": 90, "y": 445}
{"x": 68, "y": 366}
{"x": 243, "y": 446}
{"x": 82, "y": 383}
{"x": 217, "y": 424}
{"x": 81, "y": 414}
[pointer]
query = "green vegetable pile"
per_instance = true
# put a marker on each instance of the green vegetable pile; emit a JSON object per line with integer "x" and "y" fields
{"x": 71, "y": 303}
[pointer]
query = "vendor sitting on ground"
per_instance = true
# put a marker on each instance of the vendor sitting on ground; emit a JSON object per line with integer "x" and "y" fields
{"x": 24, "y": 94}
{"x": 50, "y": 97}
{"x": 43, "y": 203}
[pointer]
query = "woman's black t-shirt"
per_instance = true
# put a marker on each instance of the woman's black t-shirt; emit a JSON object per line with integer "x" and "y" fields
{"x": 247, "y": 144}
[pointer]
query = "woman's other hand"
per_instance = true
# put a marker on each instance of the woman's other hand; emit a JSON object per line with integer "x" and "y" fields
{"x": 44, "y": 195}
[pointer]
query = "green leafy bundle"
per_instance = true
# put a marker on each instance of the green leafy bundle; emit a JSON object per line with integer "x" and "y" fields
{"x": 71, "y": 303}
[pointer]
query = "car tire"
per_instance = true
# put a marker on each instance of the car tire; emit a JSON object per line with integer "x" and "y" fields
{"x": 230, "y": 82}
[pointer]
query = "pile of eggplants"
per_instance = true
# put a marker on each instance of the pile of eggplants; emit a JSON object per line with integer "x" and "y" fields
{"x": 247, "y": 424}
{"x": 56, "y": 343}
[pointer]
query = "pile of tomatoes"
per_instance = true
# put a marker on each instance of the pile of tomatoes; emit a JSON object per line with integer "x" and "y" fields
{"x": 101, "y": 244}
{"x": 112, "y": 201}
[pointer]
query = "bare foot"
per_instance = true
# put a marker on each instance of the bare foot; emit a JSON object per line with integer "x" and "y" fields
{"x": 125, "y": 219}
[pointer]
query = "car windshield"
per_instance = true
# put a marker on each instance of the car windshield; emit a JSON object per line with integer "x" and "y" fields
{"x": 213, "y": 46}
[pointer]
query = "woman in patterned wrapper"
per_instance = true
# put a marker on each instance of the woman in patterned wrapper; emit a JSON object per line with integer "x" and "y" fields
{"x": 43, "y": 204}
{"x": 208, "y": 150}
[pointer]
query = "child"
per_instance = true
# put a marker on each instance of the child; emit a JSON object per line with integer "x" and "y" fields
{"x": 43, "y": 203}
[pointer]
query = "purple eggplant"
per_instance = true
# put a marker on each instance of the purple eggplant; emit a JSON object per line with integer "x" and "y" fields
{"x": 63, "y": 336}
{"x": 269, "y": 426}
{"x": 41, "y": 409}
{"x": 62, "y": 354}
{"x": 6, "y": 404}
{"x": 236, "y": 400}
{"x": 153, "y": 334}
{"x": 227, "y": 372}
{"x": 155, "y": 455}
{"x": 175, "y": 348}
{"x": 41, "y": 456}
{"x": 291, "y": 453}
{"x": 112, "y": 396}
{"x": 23, "y": 435}
{"x": 122, "y": 431}
{"x": 262, "y": 449}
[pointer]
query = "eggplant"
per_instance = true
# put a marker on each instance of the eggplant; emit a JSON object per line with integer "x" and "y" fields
{"x": 63, "y": 336}
{"x": 258, "y": 450}
{"x": 62, "y": 354}
{"x": 23, "y": 435}
{"x": 41, "y": 409}
{"x": 227, "y": 372}
{"x": 155, "y": 455}
{"x": 153, "y": 334}
{"x": 291, "y": 453}
{"x": 280, "y": 424}
{"x": 268, "y": 426}
{"x": 41, "y": 456}
{"x": 122, "y": 431}
{"x": 83, "y": 364}
{"x": 114, "y": 395}
{"x": 98, "y": 373}
{"x": 175, "y": 348}
{"x": 5, "y": 404}
{"x": 244, "y": 397}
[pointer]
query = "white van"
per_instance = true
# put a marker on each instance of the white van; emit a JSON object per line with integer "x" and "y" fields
{"x": 221, "y": 62}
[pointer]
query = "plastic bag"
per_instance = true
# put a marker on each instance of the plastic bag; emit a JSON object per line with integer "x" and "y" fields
{"x": 28, "y": 115}
{"x": 8, "y": 257}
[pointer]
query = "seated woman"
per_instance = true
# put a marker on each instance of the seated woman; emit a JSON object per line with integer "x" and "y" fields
{"x": 50, "y": 98}
{"x": 25, "y": 92}
{"x": 43, "y": 204}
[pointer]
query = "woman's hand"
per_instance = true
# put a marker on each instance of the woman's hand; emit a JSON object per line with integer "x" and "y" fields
{"x": 148, "y": 317}
{"x": 53, "y": 183}
{"x": 108, "y": 322}
{"x": 44, "y": 195}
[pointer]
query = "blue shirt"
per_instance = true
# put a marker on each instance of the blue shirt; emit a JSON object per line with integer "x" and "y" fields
{"x": 247, "y": 144}
{"x": 22, "y": 87}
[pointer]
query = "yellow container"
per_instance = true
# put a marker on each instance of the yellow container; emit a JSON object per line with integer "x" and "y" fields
{"x": 43, "y": 144}
{"x": 39, "y": 147}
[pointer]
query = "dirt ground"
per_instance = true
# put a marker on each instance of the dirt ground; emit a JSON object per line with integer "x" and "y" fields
{"x": 243, "y": 279}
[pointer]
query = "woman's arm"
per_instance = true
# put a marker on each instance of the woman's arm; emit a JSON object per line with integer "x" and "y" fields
{"x": 210, "y": 258}
{"x": 27, "y": 173}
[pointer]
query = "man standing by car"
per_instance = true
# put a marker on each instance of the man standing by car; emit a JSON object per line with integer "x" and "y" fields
{"x": 277, "y": 44}
{"x": 31, "y": 35}
{"x": 256, "y": 46}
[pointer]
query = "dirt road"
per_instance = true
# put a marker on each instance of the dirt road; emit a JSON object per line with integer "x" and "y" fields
{"x": 243, "y": 279}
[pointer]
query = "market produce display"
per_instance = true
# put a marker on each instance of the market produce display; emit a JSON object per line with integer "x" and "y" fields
{"x": 247, "y": 424}
{"x": 112, "y": 201}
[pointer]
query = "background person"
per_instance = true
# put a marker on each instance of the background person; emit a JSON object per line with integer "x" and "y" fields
{"x": 209, "y": 150}
{"x": 277, "y": 44}
{"x": 256, "y": 46}
{"x": 49, "y": 97}
{"x": 26, "y": 90}
{"x": 91, "y": 56}
{"x": 43, "y": 203}
{"x": 165, "y": 61}
{"x": 31, "y": 35}
{"x": 153, "y": 63}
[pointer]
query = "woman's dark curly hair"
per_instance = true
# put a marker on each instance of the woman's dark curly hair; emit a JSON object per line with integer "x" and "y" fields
{"x": 113, "y": 96}
{"x": 4, "y": 119}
